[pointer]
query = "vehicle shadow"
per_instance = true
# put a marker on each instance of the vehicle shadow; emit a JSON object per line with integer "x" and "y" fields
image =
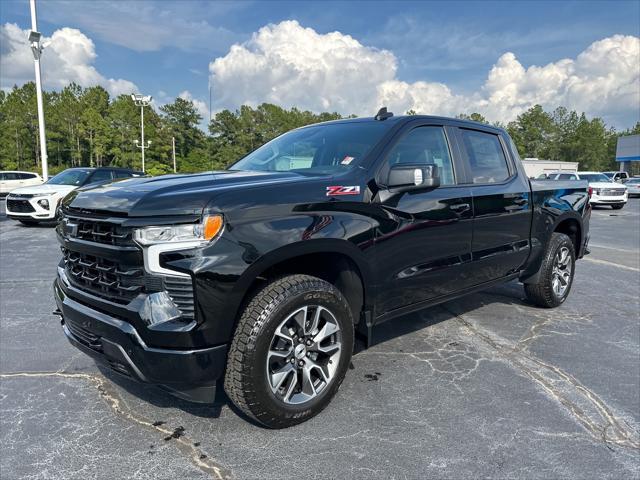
{"x": 509, "y": 294}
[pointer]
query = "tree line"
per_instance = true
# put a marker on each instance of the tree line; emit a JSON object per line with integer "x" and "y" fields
{"x": 86, "y": 127}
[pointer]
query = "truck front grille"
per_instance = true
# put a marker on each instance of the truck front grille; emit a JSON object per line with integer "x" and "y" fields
{"x": 19, "y": 206}
{"x": 103, "y": 278}
{"x": 118, "y": 277}
{"x": 612, "y": 192}
{"x": 103, "y": 232}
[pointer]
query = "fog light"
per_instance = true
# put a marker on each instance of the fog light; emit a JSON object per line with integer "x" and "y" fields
{"x": 44, "y": 203}
{"x": 159, "y": 308}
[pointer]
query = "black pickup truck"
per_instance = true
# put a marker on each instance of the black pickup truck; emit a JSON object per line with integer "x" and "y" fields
{"x": 262, "y": 275}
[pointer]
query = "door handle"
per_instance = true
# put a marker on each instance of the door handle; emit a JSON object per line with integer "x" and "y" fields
{"x": 460, "y": 207}
{"x": 521, "y": 201}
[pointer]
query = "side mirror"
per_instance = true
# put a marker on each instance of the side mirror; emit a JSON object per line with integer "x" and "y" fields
{"x": 409, "y": 177}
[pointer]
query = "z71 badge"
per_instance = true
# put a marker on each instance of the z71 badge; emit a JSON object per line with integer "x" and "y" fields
{"x": 343, "y": 190}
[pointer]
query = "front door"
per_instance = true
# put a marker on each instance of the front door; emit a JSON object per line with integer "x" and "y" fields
{"x": 423, "y": 243}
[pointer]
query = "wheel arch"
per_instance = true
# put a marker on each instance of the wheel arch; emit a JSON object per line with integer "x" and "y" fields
{"x": 337, "y": 261}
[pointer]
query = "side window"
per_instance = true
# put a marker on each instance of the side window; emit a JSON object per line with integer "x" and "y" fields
{"x": 425, "y": 145}
{"x": 486, "y": 157}
{"x": 566, "y": 176}
{"x": 100, "y": 176}
{"x": 121, "y": 174}
{"x": 11, "y": 176}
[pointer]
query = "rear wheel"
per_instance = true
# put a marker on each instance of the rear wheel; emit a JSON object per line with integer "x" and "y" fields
{"x": 556, "y": 273}
{"x": 290, "y": 352}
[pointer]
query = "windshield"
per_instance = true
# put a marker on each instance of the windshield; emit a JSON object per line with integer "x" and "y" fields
{"x": 70, "y": 177}
{"x": 320, "y": 149}
{"x": 595, "y": 177}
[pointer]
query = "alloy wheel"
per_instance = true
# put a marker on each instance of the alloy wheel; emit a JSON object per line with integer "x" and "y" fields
{"x": 561, "y": 273}
{"x": 304, "y": 354}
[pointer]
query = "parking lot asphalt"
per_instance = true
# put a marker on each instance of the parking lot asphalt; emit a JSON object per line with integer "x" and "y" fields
{"x": 485, "y": 386}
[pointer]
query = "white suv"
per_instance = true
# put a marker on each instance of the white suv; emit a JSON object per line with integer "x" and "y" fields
{"x": 10, "y": 180}
{"x": 603, "y": 190}
{"x": 39, "y": 203}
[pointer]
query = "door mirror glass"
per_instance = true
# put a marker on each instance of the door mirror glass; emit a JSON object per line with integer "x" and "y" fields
{"x": 418, "y": 176}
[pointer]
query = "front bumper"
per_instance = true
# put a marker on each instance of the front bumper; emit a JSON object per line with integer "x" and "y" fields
{"x": 20, "y": 207}
{"x": 189, "y": 374}
{"x": 608, "y": 199}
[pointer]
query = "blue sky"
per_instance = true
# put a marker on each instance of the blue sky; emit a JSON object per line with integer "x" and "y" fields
{"x": 165, "y": 48}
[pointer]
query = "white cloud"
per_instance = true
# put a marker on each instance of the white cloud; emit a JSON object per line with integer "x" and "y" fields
{"x": 68, "y": 57}
{"x": 290, "y": 65}
{"x": 294, "y": 66}
{"x": 201, "y": 105}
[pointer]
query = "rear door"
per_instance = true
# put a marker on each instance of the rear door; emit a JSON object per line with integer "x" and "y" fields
{"x": 423, "y": 249}
{"x": 501, "y": 205}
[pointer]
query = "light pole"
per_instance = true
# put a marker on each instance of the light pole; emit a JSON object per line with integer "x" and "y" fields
{"x": 141, "y": 101}
{"x": 36, "y": 48}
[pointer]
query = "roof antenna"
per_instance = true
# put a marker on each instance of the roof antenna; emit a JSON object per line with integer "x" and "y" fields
{"x": 383, "y": 114}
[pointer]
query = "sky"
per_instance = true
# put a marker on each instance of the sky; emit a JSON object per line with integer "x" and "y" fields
{"x": 441, "y": 58}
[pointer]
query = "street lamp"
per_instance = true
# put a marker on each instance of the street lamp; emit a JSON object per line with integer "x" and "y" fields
{"x": 141, "y": 101}
{"x": 34, "y": 39}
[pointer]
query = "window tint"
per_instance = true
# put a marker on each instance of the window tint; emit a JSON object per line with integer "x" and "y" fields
{"x": 486, "y": 158}
{"x": 121, "y": 174}
{"x": 100, "y": 176}
{"x": 11, "y": 176}
{"x": 425, "y": 145}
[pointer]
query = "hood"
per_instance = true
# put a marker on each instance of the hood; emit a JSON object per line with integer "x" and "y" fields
{"x": 43, "y": 189}
{"x": 606, "y": 185}
{"x": 170, "y": 194}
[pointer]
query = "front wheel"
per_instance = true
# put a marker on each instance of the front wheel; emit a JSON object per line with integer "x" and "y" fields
{"x": 556, "y": 273}
{"x": 290, "y": 352}
{"x": 617, "y": 206}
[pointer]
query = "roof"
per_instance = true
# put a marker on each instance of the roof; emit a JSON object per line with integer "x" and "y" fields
{"x": 406, "y": 118}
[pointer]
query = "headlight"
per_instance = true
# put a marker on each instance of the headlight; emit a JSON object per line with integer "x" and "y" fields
{"x": 596, "y": 191}
{"x": 203, "y": 232}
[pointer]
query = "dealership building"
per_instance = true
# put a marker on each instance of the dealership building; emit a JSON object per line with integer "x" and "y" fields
{"x": 628, "y": 154}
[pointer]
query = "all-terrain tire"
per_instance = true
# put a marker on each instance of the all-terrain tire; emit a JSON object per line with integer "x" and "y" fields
{"x": 543, "y": 293}
{"x": 246, "y": 379}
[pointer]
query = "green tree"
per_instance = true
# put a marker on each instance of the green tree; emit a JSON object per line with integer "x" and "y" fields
{"x": 475, "y": 117}
{"x": 182, "y": 120}
{"x": 533, "y": 132}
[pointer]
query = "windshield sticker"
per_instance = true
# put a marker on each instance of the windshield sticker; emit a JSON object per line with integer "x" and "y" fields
{"x": 347, "y": 160}
{"x": 343, "y": 190}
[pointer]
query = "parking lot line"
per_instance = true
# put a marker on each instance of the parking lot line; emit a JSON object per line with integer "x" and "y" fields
{"x": 611, "y": 264}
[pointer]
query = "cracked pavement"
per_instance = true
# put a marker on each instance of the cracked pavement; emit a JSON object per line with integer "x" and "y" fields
{"x": 483, "y": 386}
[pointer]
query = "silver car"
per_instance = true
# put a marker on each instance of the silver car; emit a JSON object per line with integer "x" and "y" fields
{"x": 633, "y": 187}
